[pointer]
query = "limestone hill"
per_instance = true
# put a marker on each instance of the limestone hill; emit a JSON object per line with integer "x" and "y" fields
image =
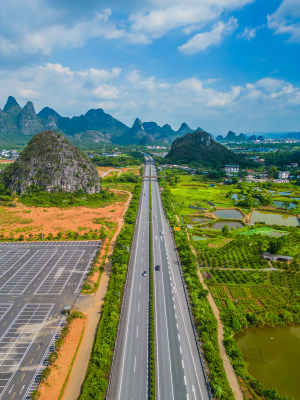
{"x": 51, "y": 163}
{"x": 199, "y": 147}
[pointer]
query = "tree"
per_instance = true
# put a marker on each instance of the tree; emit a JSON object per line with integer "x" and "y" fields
{"x": 225, "y": 230}
{"x": 273, "y": 171}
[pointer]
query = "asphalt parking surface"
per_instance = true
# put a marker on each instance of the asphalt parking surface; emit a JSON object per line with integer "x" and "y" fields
{"x": 36, "y": 281}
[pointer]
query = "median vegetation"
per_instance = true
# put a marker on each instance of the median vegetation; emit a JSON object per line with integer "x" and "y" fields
{"x": 152, "y": 327}
{"x": 96, "y": 381}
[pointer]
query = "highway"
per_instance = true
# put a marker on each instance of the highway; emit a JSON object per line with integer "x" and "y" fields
{"x": 129, "y": 377}
{"x": 179, "y": 373}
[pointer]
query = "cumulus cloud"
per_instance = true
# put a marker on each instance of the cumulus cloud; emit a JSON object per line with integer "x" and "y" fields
{"x": 128, "y": 94}
{"x": 213, "y": 37}
{"x": 286, "y": 20}
{"x": 248, "y": 33}
{"x": 38, "y": 28}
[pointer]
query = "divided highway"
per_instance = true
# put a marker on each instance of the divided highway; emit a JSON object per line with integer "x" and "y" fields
{"x": 179, "y": 372}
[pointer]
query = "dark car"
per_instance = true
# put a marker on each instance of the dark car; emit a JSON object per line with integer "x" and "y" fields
{"x": 157, "y": 267}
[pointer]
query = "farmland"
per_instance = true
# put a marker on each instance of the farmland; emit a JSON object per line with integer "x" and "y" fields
{"x": 248, "y": 291}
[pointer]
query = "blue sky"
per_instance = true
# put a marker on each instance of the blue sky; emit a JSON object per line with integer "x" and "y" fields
{"x": 217, "y": 64}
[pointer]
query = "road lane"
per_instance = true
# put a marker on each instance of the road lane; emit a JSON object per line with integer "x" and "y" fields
{"x": 129, "y": 378}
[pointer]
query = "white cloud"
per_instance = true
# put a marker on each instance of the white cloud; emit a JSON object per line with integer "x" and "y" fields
{"x": 210, "y": 38}
{"x": 168, "y": 15}
{"x": 286, "y": 20}
{"x": 248, "y": 33}
{"x": 129, "y": 94}
{"x": 38, "y": 28}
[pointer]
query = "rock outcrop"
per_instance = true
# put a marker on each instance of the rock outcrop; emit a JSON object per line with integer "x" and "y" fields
{"x": 51, "y": 163}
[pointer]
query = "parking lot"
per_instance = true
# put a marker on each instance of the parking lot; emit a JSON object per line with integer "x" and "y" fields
{"x": 36, "y": 281}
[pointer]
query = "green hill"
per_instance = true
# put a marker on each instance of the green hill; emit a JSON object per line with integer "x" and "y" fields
{"x": 199, "y": 148}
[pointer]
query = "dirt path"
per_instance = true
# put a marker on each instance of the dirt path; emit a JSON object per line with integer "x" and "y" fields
{"x": 227, "y": 364}
{"x": 93, "y": 315}
{"x": 103, "y": 174}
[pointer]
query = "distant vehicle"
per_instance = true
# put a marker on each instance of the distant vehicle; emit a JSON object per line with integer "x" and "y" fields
{"x": 145, "y": 273}
{"x": 161, "y": 232}
{"x": 157, "y": 267}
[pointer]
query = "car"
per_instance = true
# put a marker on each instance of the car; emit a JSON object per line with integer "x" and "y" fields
{"x": 161, "y": 232}
{"x": 145, "y": 273}
{"x": 157, "y": 267}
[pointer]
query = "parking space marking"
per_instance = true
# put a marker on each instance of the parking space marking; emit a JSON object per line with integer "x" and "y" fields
{"x": 18, "y": 338}
{"x": 4, "y": 308}
{"x": 21, "y": 279}
{"x": 10, "y": 259}
{"x": 55, "y": 281}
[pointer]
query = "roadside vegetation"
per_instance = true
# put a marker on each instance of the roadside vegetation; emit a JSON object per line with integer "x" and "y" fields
{"x": 96, "y": 381}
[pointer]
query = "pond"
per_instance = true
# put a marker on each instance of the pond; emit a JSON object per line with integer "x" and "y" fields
{"x": 198, "y": 220}
{"x": 220, "y": 225}
{"x": 280, "y": 204}
{"x": 232, "y": 214}
{"x": 274, "y": 218}
{"x": 284, "y": 193}
{"x": 273, "y": 357}
{"x": 197, "y": 237}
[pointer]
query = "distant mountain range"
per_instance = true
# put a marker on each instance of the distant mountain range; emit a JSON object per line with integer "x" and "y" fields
{"x": 18, "y": 125}
{"x": 233, "y": 137}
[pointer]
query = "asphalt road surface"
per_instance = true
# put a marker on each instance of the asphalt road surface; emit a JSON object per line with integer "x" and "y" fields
{"x": 36, "y": 281}
{"x": 129, "y": 378}
{"x": 179, "y": 372}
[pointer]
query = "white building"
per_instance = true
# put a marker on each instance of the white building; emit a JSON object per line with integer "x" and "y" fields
{"x": 283, "y": 174}
{"x": 231, "y": 169}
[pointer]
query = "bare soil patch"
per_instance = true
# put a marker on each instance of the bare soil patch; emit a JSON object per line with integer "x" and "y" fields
{"x": 33, "y": 220}
{"x": 52, "y": 388}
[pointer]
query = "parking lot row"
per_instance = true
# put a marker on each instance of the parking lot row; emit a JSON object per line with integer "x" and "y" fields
{"x": 17, "y": 339}
{"x": 10, "y": 258}
{"x": 60, "y": 243}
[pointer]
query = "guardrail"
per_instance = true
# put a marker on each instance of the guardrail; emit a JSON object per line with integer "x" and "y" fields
{"x": 129, "y": 272}
{"x": 197, "y": 339}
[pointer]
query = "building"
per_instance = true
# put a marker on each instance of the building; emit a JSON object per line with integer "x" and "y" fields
{"x": 283, "y": 174}
{"x": 231, "y": 169}
{"x": 276, "y": 257}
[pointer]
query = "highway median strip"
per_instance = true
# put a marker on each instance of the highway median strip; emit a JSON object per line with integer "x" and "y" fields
{"x": 152, "y": 327}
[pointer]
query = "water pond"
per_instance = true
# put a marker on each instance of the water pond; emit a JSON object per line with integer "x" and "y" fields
{"x": 197, "y": 237}
{"x": 284, "y": 193}
{"x": 280, "y": 204}
{"x": 198, "y": 220}
{"x": 233, "y": 214}
{"x": 273, "y": 356}
{"x": 220, "y": 225}
{"x": 274, "y": 218}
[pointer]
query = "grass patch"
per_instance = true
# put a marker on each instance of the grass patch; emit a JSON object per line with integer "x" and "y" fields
{"x": 66, "y": 200}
